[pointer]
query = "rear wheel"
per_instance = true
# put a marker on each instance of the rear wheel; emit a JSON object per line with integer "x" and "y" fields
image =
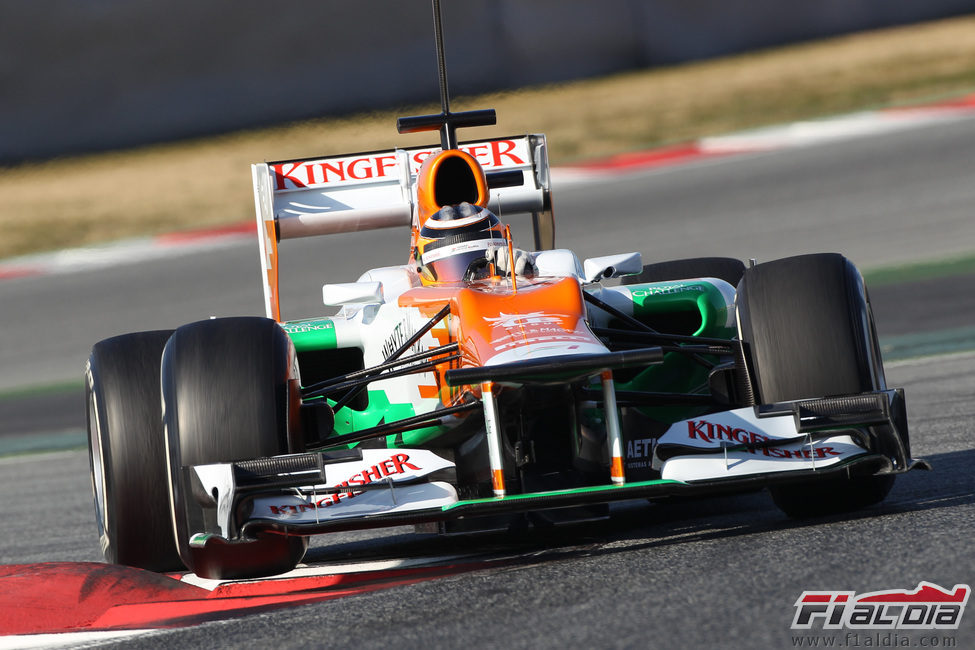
{"x": 808, "y": 328}
{"x": 127, "y": 451}
{"x": 230, "y": 391}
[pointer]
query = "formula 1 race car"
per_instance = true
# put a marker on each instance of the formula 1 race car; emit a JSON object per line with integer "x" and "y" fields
{"x": 479, "y": 386}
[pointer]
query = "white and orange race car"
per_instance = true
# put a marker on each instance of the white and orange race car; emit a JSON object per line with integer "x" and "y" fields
{"x": 477, "y": 384}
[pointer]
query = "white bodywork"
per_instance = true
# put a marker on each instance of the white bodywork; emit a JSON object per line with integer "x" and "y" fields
{"x": 397, "y": 470}
{"x": 729, "y": 429}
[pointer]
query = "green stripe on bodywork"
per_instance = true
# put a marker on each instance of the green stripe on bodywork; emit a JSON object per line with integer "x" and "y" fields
{"x": 349, "y": 420}
{"x": 556, "y": 493}
{"x": 677, "y": 373}
{"x": 311, "y": 334}
{"x": 381, "y": 411}
{"x": 667, "y": 297}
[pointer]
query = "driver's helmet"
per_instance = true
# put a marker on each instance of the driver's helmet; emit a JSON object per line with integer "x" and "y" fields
{"x": 454, "y": 237}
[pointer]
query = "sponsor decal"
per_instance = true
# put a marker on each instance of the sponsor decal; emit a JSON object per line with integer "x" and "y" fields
{"x": 515, "y": 320}
{"x": 928, "y": 607}
{"x": 400, "y": 334}
{"x": 709, "y": 432}
{"x": 395, "y": 465}
{"x": 561, "y": 337}
{"x": 293, "y": 175}
{"x": 639, "y": 452}
{"x": 304, "y": 327}
{"x": 456, "y": 249}
{"x": 532, "y": 328}
{"x": 490, "y": 155}
{"x": 385, "y": 166}
{"x": 640, "y": 448}
{"x": 661, "y": 290}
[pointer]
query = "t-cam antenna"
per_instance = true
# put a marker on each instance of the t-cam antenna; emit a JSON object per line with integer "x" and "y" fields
{"x": 445, "y": 122}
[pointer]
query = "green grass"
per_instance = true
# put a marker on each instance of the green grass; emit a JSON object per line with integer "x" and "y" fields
{"x": 964, "y": 265}
{"x": 42, "y": 389}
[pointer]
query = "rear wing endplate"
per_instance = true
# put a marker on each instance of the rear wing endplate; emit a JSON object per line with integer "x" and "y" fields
{"x": 367, "y": 191}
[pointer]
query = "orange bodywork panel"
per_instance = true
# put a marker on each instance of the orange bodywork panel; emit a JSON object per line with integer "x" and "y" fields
{"x": 490, "y": 319}
{"x": 271, "y": 269}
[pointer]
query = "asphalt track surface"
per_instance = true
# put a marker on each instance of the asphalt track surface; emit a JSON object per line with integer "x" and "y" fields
{"x": 722, "y": 573}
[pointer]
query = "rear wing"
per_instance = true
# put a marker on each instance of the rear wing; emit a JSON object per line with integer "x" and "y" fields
{"x": 367, "y": 191}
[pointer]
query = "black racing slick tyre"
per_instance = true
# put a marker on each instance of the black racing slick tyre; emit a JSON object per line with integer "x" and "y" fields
{"x": 127, "y": 451}
{"x": 230, "y": 393}
{"x": 728, "y": 269}
{"x": 808, "y": 331}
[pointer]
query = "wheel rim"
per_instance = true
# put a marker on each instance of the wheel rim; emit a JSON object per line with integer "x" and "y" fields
{"x": 97, "y": 457}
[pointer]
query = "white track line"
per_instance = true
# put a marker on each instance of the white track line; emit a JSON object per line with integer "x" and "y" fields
{"x": 66, "y": 639}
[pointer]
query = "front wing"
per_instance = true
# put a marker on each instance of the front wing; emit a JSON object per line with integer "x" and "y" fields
{"x": 728, "y": 451}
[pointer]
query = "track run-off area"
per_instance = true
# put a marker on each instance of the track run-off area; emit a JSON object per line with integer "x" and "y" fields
{"x": 887, "y": 192}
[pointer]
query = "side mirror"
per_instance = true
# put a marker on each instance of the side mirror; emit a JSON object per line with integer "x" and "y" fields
{"x": 612, "y": 266}
{"x": 558, "y": 263}
{"x": 352, "y": 293}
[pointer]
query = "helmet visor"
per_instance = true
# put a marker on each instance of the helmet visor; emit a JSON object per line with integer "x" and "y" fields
{"x": 450, "y": 263}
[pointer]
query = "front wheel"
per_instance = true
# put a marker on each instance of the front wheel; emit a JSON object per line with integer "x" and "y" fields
{"x": 808, "y": 328}
{"x": 230, "y": 393}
